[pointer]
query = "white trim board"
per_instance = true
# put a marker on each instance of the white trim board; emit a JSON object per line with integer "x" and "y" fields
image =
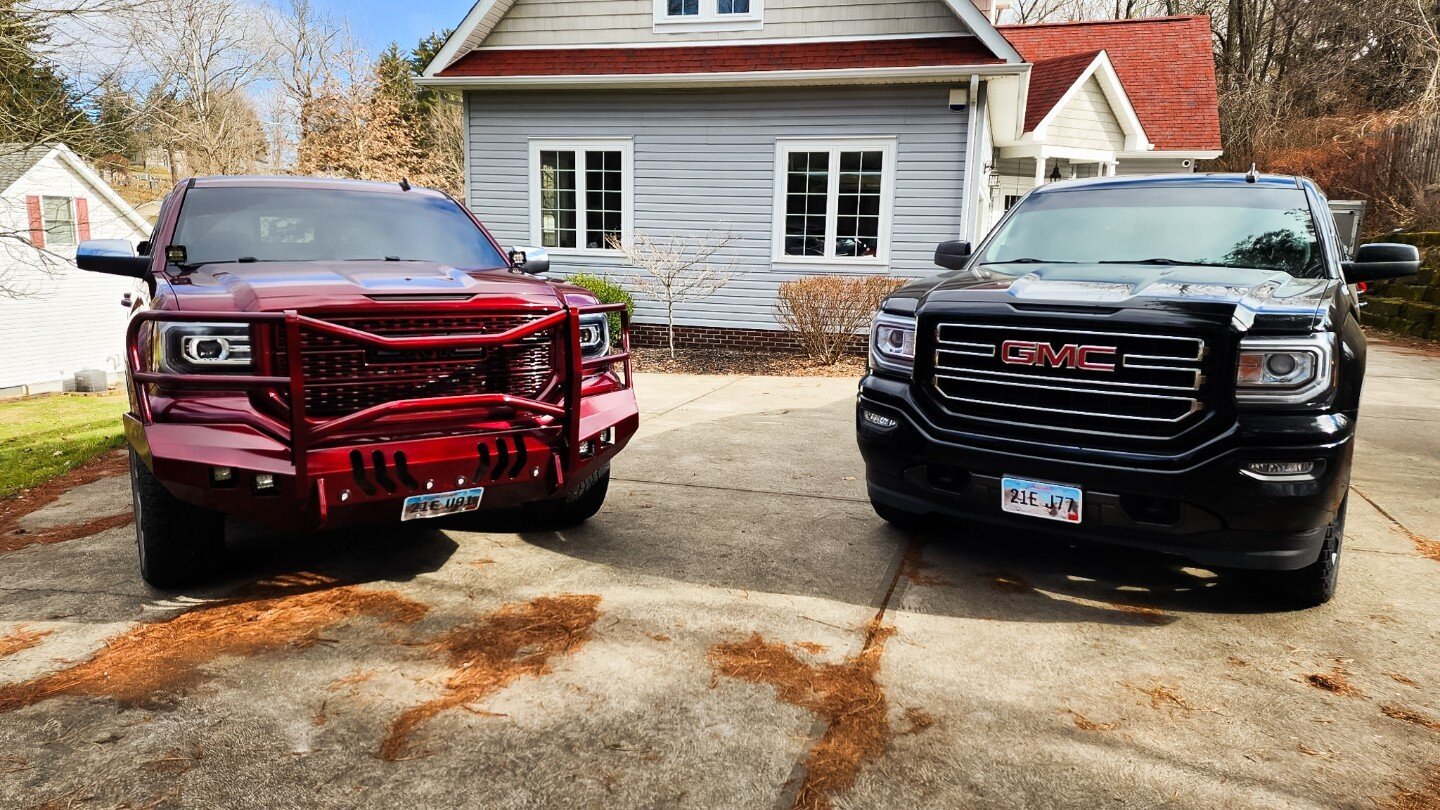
{"x": 721, "y": 43}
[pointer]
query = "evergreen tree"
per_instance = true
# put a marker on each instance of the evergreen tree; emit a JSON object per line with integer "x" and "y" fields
{"x": 37, "y": 103}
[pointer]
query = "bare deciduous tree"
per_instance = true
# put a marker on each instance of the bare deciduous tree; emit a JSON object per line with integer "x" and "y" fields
{"x": 677, "y": 269}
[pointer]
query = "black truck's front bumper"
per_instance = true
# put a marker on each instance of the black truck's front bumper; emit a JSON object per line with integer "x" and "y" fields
{"x": 1197, "y": 505}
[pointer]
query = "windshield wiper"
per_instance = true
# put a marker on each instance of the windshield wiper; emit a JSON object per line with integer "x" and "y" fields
{"x": 1164, "y": 261}
{"x": 1027, "y": 260}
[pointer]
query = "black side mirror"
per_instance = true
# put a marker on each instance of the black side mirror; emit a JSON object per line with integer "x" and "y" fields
{"x": 115, "y": 257}
{"x": 1380, "y": 261}
{"x": 532, "y": 260}
{"x": 952, "y": 255}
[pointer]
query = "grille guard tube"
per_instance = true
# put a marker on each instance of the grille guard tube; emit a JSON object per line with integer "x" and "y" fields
{"x": 303, "y": 434}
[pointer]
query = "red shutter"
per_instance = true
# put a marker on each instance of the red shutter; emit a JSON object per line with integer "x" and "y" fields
{"x": 82, "y": 218}
{"x": 37, "y": 222}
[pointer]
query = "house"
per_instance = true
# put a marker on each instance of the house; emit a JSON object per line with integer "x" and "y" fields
{"x": 824, "y": 136}
{"x": 55, "y": 319}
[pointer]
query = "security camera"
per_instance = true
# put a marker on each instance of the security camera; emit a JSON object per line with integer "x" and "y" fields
{"x": 959, "y": 100}
{"x": 1187, "y": 164}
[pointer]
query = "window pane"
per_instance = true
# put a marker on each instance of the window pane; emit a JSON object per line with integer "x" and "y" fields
{"x": 734, "y": 7}
{"x": 557, "y": 199}
{"x": 807, "y": 185}
{"x": 604, "y": 186}
{"x": 682, "y": 8}
{"x": 857, "y": 227}
{"x": 59, "y": 220}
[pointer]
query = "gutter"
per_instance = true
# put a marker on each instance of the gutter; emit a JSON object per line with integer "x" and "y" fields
{"x": 757, "y": 78}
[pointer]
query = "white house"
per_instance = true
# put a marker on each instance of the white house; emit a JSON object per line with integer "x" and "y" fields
{"x": 55, "y": 319}
{"x": 827, "y": 136}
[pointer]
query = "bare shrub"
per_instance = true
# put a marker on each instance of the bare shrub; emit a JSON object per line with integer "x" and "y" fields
{"x": 825, "y": 313}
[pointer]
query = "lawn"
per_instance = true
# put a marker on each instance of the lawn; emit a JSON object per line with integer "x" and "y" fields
{"x": 45, "y": 436}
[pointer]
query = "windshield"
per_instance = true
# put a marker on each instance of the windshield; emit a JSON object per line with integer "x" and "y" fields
{"x": 1260, "y": 228}
{"x": 315, "y": 224}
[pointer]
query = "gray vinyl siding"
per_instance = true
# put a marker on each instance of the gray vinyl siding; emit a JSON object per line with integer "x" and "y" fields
{"x": 705, "y": 160}
{"x": 1135, "y": 166}
{"x": 603, "y": 22}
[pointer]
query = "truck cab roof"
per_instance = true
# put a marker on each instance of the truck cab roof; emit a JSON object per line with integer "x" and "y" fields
{"x": 319, "y": 183}
{"x": 1175, "y": 181}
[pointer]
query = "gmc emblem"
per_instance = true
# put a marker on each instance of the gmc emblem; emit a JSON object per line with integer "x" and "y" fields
{"x": 1071, "y": 355}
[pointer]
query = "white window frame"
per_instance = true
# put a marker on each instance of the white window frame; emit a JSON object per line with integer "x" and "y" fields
{"x": 783, "y": 148}
{"x": 74, "y": 220}
{"x": 626, "y": 148}
{"x": 709, "y": 18}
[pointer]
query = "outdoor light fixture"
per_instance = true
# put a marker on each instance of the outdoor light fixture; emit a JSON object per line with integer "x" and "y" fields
{"x": 1055, "y": 175}
{"x": 222, "y": 475}
{"x": 264, "y": 482}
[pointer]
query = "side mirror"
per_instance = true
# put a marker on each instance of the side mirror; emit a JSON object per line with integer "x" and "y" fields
{"x": 115, "y": 257}
{"x": 952, "y": 255}
{"x": 1380, "y": 261}
{"x": 532, "y": 260}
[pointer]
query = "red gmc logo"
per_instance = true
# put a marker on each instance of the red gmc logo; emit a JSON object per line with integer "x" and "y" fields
{"x": 1071, "y": 355}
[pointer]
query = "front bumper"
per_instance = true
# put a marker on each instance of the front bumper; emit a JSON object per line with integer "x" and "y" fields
{"x": 1197, "y": 505}
{"x": 366, "y": 483}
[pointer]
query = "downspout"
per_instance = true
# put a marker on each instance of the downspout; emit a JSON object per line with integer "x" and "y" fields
{"x": 967, "y": 206}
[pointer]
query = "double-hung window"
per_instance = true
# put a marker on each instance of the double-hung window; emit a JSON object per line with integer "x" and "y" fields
{"x": 580, "y": 193}
{"x": 709, "y": 15}
{"x": 59, "y": 214}
{"x": 834, "y": 201}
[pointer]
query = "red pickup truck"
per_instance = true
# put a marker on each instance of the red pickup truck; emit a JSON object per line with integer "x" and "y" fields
{"x": 318, "y": 353}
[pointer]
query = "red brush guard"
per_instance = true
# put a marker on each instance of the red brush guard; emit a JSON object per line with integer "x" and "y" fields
{"x": 378, "y": 403}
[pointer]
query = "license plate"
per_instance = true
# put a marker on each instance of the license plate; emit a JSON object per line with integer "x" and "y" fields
{"x": 1042, "y": 500}
{"x": 420, "y": 507}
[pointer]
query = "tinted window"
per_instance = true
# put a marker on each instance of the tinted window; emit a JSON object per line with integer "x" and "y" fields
{"x": 1261, "y": 228}
{"x": 308, "y": 224}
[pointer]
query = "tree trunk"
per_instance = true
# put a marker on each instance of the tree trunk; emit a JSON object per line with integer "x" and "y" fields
{"x": 670, "y": 319}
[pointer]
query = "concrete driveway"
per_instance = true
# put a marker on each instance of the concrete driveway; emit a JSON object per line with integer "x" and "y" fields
{"x": 735, "y": 629}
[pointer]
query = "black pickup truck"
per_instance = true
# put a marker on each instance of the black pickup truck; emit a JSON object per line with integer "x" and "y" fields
{"x": 1171, "y": 363}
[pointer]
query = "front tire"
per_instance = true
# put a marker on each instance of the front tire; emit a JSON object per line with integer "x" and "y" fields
{"x": 1314, "y": 585}
{"x": 179, "y": 543}
{"x": 899, "y": 518}
{"x": 579, "y": 506}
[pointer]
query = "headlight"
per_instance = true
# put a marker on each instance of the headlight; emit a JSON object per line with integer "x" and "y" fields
{"x": 1285, "y": 371}
{"x": 892, "y": 343}
{"x": 205, "y": 348}
{"x": 594, "y": 335}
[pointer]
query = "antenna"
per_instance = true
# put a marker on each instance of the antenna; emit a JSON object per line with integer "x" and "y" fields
{"x": 1252, "y": 175}
{"x": 404, "y": 184}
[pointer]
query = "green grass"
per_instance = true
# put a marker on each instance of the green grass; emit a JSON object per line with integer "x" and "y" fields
{"x": 46, "y": 436}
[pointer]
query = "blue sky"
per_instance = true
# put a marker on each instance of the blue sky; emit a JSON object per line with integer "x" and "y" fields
{"x": 377, "y": 22}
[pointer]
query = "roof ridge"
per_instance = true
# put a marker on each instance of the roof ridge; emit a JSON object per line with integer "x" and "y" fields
{"x": 1077, "y": 23}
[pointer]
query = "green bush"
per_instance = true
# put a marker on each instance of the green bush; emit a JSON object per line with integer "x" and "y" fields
{"x": 609, "y": 293}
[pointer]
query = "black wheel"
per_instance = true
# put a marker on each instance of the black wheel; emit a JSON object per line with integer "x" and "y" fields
{"x": 579, "y": 506}
{"x": 899, "y": 518}
{"x": 179, "y": 543}
{"x": 1314, "y": 585}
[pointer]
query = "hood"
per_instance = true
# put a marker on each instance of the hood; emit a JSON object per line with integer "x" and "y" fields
{"x": 1252, "y": 298}
{"x": 268, "y": 286}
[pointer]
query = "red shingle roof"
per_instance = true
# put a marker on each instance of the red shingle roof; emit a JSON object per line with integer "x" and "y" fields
{"x": 878, "y": 53}
{"x": 1166, "y": 65}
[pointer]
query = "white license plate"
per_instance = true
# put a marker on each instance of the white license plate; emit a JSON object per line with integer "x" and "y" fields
{"x": 1042, "y": 500}
{"x": 419, "y": 507}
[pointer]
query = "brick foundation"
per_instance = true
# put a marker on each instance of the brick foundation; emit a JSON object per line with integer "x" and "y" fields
{"x": 652, "y": 336}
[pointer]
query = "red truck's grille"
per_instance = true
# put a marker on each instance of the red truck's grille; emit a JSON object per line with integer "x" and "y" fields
{"x": 341, "y": 377}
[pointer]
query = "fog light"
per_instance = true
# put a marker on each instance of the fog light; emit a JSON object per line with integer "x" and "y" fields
{"x": 1279, "y": 469}
{"x": 882, "y": 422}
{"x": 587, "y": 449}
{"x": 264, "y": 482}
{"x": 222, "y": 475}
{"x": 607, "y": 436}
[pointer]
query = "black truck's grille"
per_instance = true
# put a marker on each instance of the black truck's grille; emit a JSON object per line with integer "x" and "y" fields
{"x": 1088, "y": 385}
